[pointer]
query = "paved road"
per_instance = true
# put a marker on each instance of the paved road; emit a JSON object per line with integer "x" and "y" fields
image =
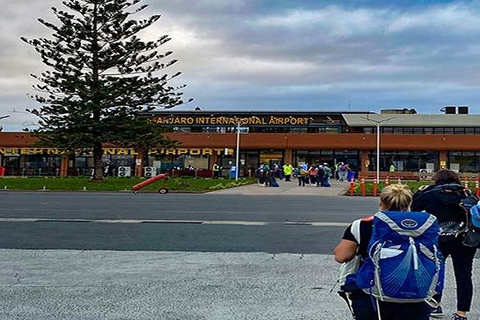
{"x": 75, "y": 284}
{"x": 213, "y": 256}
{"x": 178, "y": 222}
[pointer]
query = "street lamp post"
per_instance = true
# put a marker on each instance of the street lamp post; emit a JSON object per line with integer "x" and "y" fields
{"x": 378, "y": 123}
{"x": 237, "y": 153}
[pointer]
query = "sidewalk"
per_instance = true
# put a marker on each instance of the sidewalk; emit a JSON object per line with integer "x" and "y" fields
{"x": 289, "y": 188}
{"x": 108, "y": 285}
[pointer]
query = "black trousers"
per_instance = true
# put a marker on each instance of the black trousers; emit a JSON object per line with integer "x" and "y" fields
{"x": 365, "y": 308}
{"x": 462, "y": 258}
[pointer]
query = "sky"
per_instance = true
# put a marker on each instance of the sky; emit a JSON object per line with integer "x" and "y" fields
{"x": 284, "y": 55}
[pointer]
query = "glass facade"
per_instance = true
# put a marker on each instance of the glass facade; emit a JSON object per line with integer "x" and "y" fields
{"x": 411, "y": 161}
{"x": 331, "y": 157}
{"x": 32, "y": 165}
{"x": 423, "y": 130}
{"x": 464, "y": 161}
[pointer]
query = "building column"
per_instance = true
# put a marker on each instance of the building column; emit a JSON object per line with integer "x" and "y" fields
{"x": 138, "y": 163}
{"x": 64, "y": 160}
{"x": 364, "y": 161}
{"x": 443, "y": 159}
{"x": 288, "y": 156}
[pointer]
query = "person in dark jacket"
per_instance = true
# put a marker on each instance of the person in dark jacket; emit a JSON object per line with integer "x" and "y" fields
{"x": 443, "y": 199}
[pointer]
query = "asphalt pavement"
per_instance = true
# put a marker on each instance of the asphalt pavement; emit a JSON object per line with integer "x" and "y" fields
{"x": 290, "y": 188}
{"x": 75, "y": 284}
{"x": 183, "y": 285}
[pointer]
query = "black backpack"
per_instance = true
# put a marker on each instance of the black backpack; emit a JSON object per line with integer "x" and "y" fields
{"x": 444, "y": 201}
{"x": 472, "y": 209}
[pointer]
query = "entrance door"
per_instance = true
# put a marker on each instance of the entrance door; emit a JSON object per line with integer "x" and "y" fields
{"x": 271, "y": 157}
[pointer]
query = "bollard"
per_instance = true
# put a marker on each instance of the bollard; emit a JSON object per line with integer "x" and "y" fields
{"x": 362, "y": 187}
{"x": 352, "y": 186}
{"x": 477, "y": 191}
{"x": 387, "y": 181}
{"x": 375, "y": 187}
{"x": 84, "y": 188}
{"x": 5, "y": 187}
{"x": 466, "y": 182}
{"x": 399, "y": 180}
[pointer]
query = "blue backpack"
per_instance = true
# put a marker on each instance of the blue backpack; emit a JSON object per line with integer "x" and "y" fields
{"x": 404, "y": 263}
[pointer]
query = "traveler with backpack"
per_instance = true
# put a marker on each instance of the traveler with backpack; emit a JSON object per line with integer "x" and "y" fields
{"x": 401, "y": 268}
{"x": 443, "y": 199}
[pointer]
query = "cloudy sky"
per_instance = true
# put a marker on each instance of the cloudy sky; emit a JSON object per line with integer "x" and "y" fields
{"x": 319, "y": 55}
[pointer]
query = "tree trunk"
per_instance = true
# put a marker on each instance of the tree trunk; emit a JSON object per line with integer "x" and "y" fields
{"x": 97, "y": 162}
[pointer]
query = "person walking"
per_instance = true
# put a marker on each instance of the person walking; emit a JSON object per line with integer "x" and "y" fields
{"x": 216, "y": 170}
{"x": 267, "y": 174}
{"x": 320, "y": 176}
{"x": 287, "y": 171}
{"x": 343, "y": 172}
{"x": 442, "y": 199}
{"x": 302, "y": 176}
{"x": 312, "y": 173}
{"x": 396, "y": 198}
{"x": 326, "y": 176}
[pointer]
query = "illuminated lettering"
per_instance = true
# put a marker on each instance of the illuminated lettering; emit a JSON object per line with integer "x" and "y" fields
{"x": 195, "y": 152}
{"x": 222, "y": 120}
{"x": 207, "y": 151}
{"x": 182, "y": 151}
{"x": 170, "y": 151}
{"x": 53, "y": 151}
{"x": 109, "y": 151}
{"x": 122, "y": 152}
{"x": 152, "y": 151}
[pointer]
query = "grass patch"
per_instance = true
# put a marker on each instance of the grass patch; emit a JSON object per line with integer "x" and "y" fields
{"x": 184, "y": 184}
{"x": 414, "y": 185}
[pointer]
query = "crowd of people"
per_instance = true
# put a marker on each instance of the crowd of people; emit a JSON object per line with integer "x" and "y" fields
{"x": 314, "y": 175}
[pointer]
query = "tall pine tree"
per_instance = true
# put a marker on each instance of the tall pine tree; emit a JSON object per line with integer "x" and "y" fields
{"x": 101, "y": 76}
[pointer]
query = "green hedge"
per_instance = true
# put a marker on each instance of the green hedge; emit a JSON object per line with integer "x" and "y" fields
{"x": 414, "y": 185}
{"x": 186, "y": 184}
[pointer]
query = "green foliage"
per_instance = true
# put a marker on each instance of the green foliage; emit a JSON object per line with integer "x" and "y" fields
{"x": 118, "y": 184}
{"x": 101, "y": 77}
{"x": 414, "y": 185}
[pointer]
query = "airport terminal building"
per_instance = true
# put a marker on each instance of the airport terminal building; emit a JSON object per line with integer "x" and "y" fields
{"x": 413, "y": 143}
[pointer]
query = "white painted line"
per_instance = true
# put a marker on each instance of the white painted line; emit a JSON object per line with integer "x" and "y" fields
{"x": 62, "y": 220}
{"x": 204, "y": 222}
{"x": 173, "y": 221}
{"x": 330, "y": 224}
{"x": 125, "y": 221}
{"x": 297, "y": 223}
{"x": 238, "y": 223}
{"x": 18, "y": 220}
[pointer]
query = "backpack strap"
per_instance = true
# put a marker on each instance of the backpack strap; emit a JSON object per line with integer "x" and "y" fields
{"x": 394, "y": 226}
